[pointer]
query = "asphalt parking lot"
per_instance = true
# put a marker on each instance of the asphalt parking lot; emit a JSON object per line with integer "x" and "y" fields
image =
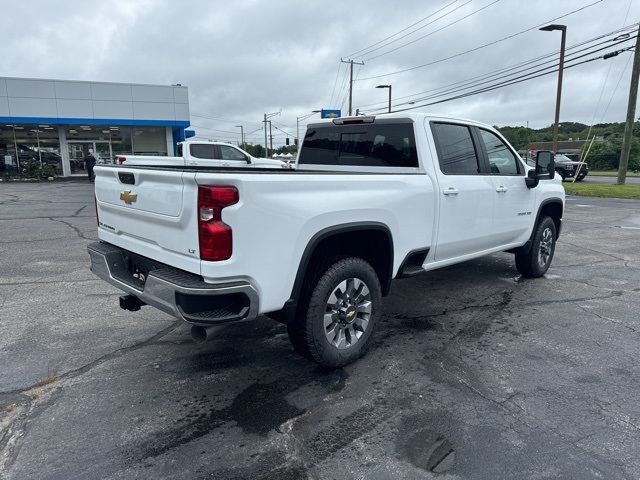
{"x": 474, "y": 372}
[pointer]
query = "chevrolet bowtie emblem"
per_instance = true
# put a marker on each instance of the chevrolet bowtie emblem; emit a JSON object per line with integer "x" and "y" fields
{"x": 128, "y": 197}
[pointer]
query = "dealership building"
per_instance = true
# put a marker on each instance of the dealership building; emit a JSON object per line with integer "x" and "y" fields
{"x": 59, "y": 122}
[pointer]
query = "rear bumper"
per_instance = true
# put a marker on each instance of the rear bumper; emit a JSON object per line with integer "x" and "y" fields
{"x": 176, "y": 292}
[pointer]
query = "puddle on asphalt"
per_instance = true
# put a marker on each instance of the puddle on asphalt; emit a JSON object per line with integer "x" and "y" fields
{"x": 430, "y": 451}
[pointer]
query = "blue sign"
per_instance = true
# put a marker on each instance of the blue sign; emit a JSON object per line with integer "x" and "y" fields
{"x": 330, "y": 113}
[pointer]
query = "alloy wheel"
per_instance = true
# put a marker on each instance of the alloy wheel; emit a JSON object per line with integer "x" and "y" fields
{"x": 347, "y": 313}
{"x": 546, "y": 247}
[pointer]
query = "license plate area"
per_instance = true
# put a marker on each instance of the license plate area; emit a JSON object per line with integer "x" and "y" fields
{"x": 132, "y": 269}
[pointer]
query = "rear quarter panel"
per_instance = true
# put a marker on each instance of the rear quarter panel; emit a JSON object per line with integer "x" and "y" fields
{"x": 278, "y": 214}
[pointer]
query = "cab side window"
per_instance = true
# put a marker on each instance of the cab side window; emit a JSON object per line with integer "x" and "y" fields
{"x": 502, "y": 161}
{"x": 202, "y": 150}
{"x": 230, "y": 153}
{"x": 456, "y": 151}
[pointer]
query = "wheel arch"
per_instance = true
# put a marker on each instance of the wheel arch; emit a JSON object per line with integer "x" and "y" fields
{"x": 371, "y": 241}
{"x": 554, "y": 208}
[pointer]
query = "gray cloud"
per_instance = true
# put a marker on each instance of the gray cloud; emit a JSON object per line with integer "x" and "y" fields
{"x": 243, "y": 58}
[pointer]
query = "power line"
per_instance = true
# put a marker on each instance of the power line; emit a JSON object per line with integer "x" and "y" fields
{"x": 224, "y": 120}
{"x": 335, "y": 81}
{"x": 435, "y": 31}
{"x": 342, "y": 85}
{"x": 513, "y": 35}
{"x": 416, "y": 30}
{"x": 510, "y": 68}
{"x": 214, "y": 129}
{"x": 514, "y": 81}
{"x": 403, "y": 30}
{"x": 527, "y": 71}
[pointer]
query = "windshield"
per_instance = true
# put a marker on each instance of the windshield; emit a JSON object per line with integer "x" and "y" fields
{"x": 562, "y": 159}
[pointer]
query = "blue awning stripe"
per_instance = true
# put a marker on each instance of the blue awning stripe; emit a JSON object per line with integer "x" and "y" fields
{"x": 96, "y": 121}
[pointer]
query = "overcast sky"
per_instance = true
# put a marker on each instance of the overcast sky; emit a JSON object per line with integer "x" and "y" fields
{"x": 243, "y": 58}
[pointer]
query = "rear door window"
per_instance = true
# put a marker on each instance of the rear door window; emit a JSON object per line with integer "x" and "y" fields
{"x": 374, "y": 145}
{"x": 203, "y": 150}
{"x": 456, "y": 151}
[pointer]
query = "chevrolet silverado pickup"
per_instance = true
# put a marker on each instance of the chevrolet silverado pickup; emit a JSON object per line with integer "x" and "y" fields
{"x": 198, "y": 153}
{"x": 371, "y": 199}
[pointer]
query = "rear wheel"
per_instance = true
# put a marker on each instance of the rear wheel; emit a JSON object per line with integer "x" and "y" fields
{"x": 338, "y": 313}
{"x": 537, "y": 260}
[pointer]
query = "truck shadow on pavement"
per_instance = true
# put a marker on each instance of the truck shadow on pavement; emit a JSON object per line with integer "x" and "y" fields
{"x": 272, "y": 385}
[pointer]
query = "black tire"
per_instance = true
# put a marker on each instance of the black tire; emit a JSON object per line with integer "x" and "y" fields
{"x": 580, "y": 178}
{"x": 530, "y": 264}
{"x": 307, "y": 332}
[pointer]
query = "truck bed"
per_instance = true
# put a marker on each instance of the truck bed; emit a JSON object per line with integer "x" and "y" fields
{"x": 283, "y": 209}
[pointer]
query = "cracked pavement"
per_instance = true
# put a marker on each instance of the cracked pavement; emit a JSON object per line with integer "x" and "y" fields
{"x": 473, "y": 372}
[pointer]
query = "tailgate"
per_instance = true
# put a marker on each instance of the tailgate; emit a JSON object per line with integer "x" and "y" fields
{"x": 150, "y": 212}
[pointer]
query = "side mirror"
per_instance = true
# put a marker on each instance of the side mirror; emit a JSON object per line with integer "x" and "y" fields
{"x": 545, "y": 169}
{"x": 545, "y": 165}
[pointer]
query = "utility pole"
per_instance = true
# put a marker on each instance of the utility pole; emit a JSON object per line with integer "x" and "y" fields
{"x": 268, "y": 115}
{"x": 351, "y": 62}
{"x": 631, "y": 113}
{"x": 563, "y": 29}
{"x": 270, "y": 137}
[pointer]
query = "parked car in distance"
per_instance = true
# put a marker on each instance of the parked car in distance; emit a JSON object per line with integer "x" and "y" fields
{"x": 197, "y": 153}
{"x": 568, "y": 168}
{"x": 371, "y": 199}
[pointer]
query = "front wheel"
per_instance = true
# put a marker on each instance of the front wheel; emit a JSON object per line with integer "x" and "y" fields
{"x": 537, "y": 260}
{"x": 338, "y": 314}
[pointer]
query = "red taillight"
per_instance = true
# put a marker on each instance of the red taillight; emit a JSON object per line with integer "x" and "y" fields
{"x": 121, "y": 160}
{"x": 215, "y": 236}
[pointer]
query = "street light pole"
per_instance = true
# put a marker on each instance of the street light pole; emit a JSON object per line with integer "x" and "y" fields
{"x": 389, "y": 87}
{"x": 563, "y": 29}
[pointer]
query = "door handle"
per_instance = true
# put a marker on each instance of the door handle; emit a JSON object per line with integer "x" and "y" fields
{"x": 451, "y": 191}
{"x": 501, "y": 189}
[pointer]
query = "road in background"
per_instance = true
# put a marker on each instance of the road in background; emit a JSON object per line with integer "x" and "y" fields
{"x": 594, "y": 179}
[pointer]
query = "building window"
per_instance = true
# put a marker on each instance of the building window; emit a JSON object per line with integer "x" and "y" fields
{"x": 149, "y": 141}
{"x": 21, "y": 144}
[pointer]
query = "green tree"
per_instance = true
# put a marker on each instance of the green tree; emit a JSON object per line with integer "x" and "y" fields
{"x": 254, "y": 150}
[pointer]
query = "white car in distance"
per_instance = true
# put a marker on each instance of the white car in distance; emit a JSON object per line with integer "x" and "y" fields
{"x": 202, "y": 153}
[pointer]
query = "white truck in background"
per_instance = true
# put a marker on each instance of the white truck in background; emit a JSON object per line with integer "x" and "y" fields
{"x": 371, "y": 199}
{"x": 200, "y": 153}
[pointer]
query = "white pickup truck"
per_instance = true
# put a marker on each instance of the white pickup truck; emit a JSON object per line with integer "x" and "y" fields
{"x": 199, "y": 153}
{"x": 371, "y": 199}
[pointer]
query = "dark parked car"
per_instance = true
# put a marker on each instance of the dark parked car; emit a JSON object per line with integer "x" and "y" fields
{"x": 567, "y": 168}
